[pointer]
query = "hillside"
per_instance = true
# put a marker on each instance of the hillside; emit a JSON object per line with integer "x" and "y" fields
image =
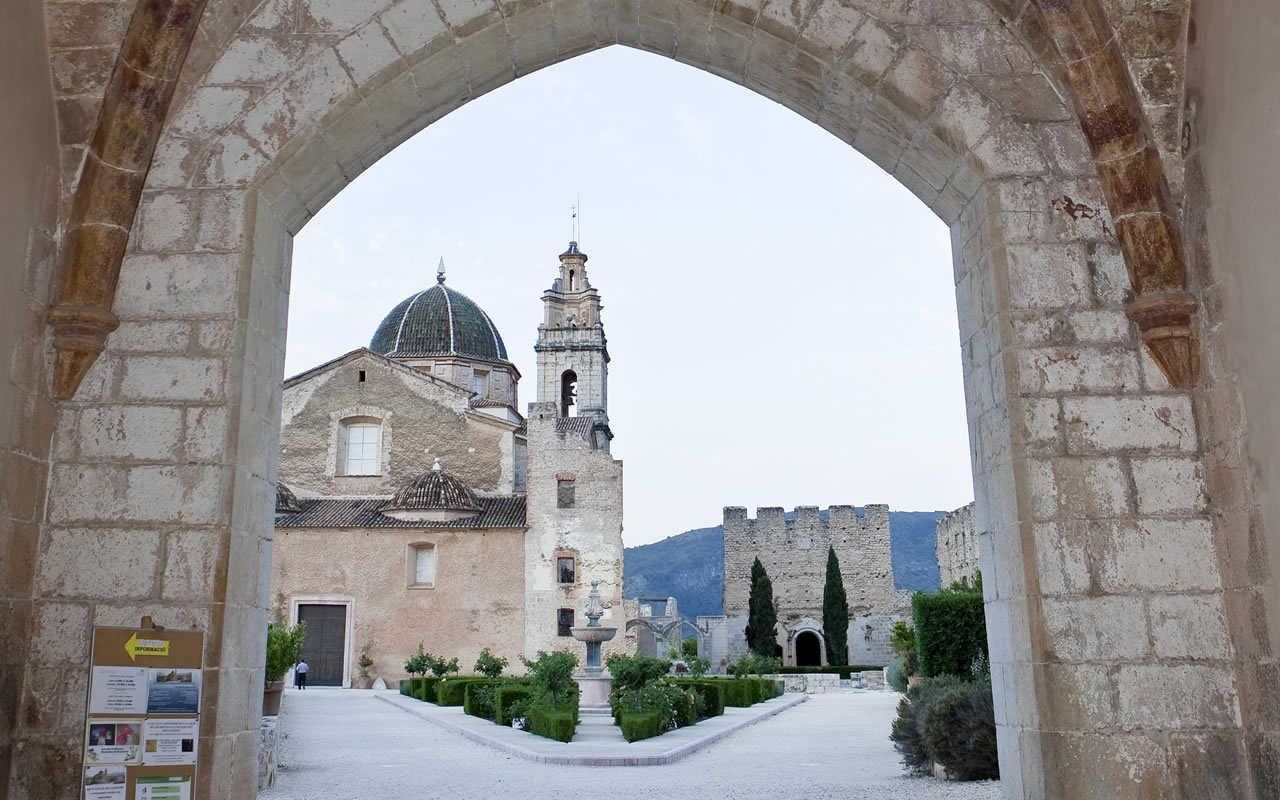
{"x": 690, "y": 565}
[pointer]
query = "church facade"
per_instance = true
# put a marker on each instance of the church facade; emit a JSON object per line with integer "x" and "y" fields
{"x": 417, "y": 504}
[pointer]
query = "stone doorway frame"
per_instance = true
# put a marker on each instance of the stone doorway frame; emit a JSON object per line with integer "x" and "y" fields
{"x": 1076, "y": 429}
{"x": 348, "y": 637}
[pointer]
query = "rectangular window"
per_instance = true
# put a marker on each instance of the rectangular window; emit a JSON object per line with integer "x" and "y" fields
{"x": 424, "y": 566}
{"x": 564, "y": 570}
{"x": 363, "y": 448}
{"x": 480, "y": 383}
{"x": 564, "y": 494}
{"x": 361, "y": 376}
{"x": 564, "y": 622}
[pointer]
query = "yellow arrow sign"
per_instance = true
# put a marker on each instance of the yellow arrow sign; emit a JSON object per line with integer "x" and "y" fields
{"x": 145, "y": 647}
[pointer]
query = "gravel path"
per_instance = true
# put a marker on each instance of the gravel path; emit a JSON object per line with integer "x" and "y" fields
{"x": 345, "y": 745}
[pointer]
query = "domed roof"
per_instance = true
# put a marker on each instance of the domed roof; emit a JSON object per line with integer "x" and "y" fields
{"x": 439, "y": 322}
{"x": 435, "y": 495}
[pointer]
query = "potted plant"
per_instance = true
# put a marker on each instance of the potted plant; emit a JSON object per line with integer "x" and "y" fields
{"x": 366, "y": 680}
{"x": 284, "y": 649}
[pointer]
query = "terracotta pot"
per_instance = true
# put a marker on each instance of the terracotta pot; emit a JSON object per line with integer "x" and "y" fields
{"x": 364, "y": 683}
{"x": 271, "y": 695}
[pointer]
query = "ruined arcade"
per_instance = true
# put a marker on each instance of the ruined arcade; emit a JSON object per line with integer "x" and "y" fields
{"x": 1106, "y": 168}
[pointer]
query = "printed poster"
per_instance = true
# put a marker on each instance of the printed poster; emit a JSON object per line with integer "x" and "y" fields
{"x": 163, "y": 787}
{"x": 170, "y": 740}
{"x": 118, "y": 690}
{"x": 113, "y": 741}
{"x": 173, "y": 691}
{"x": 104, "y": 782}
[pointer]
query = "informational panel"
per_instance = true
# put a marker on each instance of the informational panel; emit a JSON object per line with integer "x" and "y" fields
{"x": 142, "y": 732}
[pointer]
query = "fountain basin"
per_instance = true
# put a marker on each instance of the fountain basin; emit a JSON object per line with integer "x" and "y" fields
{"x": 590, "y": 634}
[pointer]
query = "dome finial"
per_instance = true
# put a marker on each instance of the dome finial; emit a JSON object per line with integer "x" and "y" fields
{"x": 440, "y": 271}
{"x": 436, "y": 466}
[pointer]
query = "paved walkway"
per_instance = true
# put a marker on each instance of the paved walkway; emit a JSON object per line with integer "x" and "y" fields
{"x": 348, "y": 745}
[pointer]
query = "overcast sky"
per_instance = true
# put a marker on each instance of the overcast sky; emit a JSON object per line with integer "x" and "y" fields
{"x": 780, "y": 312}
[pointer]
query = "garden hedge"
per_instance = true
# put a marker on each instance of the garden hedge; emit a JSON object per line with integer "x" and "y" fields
{"x": 845, "y": 673}
{"x": 452, "y": 691}
{"x": 507, "y": 697}
{"x": 426, "y": 688}
{"x": 710, "y": 695}
{"x": 478, "y": 698}
{"x": 951, "y": 631}
{"x": 406, "y": 687}
{"x": 638, "y": 725}
{"x": 552, "y": 723}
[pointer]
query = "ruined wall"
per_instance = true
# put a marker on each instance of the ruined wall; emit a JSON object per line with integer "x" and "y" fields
{"x": 422, "y": 419}
{"x": 28, "y": 225}
{"x": 476, "y": 601}
{"x": 591, "y": 531}
{"x": 957, "y": 546}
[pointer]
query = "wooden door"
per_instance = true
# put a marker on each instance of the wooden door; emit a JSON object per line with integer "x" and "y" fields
{"x": 326, "y": 642}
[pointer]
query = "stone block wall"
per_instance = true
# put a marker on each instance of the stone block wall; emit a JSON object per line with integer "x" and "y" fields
{"x": 957, "y": 546}
{"x": 869, "y": 638}
{"x": 590, "y": 531}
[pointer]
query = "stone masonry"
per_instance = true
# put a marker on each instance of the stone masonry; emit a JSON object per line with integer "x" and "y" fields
{"x": 794, "y": 553}
{"x": 1106, "y": 170}
{"x": 957, "y": 546}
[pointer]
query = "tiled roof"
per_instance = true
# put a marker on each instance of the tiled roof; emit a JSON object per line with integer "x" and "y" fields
{"x": 286, "y": 502}
{"x": 488, "y": 404}
{"x": 498, "y": 511}
{"x": 436, "y": 489}
{"x": 438, "y": 322}
{"x": 578, "y": 426}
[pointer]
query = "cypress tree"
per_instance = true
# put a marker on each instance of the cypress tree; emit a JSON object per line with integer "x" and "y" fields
{"x": 762, "y": 619}
{"x": 835, "y": 613}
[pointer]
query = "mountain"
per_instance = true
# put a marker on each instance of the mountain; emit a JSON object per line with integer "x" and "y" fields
{"x": 690, "y": 566}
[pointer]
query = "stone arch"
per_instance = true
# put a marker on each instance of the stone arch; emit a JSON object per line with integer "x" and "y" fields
{"x": 1075, "y": 433}
{"x": 808, "y": 645}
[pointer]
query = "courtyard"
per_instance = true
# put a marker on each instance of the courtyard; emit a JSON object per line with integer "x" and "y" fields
{"x": 342, "y": 745}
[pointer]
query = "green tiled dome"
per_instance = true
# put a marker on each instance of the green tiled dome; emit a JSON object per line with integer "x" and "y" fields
{"x": 439, "y": 322}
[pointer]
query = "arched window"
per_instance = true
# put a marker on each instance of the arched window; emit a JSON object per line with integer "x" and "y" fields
{"x": 360, "y": 446}
{"x": 572, "y": 287}
{"x": 569, "y": 394}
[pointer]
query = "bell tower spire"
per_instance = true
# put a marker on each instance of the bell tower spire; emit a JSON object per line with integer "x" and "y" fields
{"x": 573, "y": 355}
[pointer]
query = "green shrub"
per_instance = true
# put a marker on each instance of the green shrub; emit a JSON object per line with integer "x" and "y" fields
{"x": 960, "y": 732}
{"x": 909, "y": 730}
{"x": 406, "y": 687}
{"x": 441, "y": 668}
{"x": 284, "y": 649}
{"x": 452, "y": 691}
{"x": 751, "y": 664}
{"x": 845, "y": 673}
{"x": 510, "y": 701}
{"x": 950, "y": 631}
{"x": 710, "y": 696}
{"x": 637, "y": 725}
{"x": 419, "y": 664}
{"x": 553, "y": 674}
{"x": 689, "y": 648}
{"x": 738, "y": 692}
{"x": 632, "y": 673}
{"x": 896, "y": 675}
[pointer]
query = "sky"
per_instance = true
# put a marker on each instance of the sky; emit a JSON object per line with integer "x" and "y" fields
{"x": 780, "y": 312}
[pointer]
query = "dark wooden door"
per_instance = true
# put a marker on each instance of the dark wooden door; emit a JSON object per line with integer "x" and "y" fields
{"x": 325, "y": 644}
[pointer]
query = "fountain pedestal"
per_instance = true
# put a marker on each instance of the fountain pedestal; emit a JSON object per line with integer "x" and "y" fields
{"x": 593, "y": 686}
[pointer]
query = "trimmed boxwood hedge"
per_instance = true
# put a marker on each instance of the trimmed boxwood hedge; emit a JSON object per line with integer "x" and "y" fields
{"x": 452, "y": 691}
{"x": 426, "y": 688}
{"x": 552, "y": 723}
{"x": 476, "y": 702}
{"x": 638, "y": 725}
{"x": 710, "y": 695}
{"x": 505, "y": 697}
{"x": 951, "y": 631}
{"x": 406, "y": 687}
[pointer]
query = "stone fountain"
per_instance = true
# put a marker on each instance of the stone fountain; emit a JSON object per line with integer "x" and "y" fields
{"x": 593, "y": 684}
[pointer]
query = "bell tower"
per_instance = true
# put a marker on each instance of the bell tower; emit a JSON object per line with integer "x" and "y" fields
{"x": 573, "y": 357}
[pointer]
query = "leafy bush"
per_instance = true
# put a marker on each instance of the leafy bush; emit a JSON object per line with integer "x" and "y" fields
{"x": 510, "y": 701}
{"x": 902, "y": 640}
{"x": 896, "y": 675}
{"x": 689, "y": 648}
{"x": 910, "y": 728}
{"x": 698, "y": 665}
{"x": 960, "y": 732}
{"x": 553, "y": 674}
{"x": 440, "y": 667}
{"x": 950, "y": 631}
{"x": 638, "y": 725}
{"x": 419, "y": 664}
{"x": 632, "y": 673}
{"x": 751, "y": 664}
{"x": 284, "y": 649}
{"x": 489, "y": 665}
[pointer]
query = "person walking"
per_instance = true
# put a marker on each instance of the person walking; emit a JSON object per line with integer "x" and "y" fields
{"x": 300, "y": 674}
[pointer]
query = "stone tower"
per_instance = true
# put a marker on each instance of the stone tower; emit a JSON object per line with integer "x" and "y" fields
{"x": 573, "y": 357}
{"x": 574, "y": 494}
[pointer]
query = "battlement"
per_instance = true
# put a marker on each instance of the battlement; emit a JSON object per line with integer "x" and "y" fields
{"x": 872, "y": 515}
